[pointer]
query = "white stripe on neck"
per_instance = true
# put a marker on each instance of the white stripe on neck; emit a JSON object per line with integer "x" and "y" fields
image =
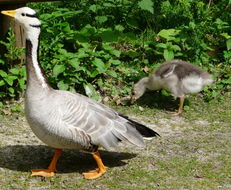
{"x": 33, "y": 37}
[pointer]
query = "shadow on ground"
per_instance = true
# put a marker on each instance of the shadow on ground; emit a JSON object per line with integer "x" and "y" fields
{"x": 25, "y": 157}
{"x": 160, "y": 100}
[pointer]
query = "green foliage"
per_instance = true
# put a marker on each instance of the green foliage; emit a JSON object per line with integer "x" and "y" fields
{"x": 168, "y": 49}
{"x": 146, "y": 5}
{"x": 12, "y": 75}
{"x": 101, "y": 48}
{"x": 223, "y": 74}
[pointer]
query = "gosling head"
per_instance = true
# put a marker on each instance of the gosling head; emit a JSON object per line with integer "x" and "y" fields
{"x": 25, "y": 16}
{"x": 139, "y": 89}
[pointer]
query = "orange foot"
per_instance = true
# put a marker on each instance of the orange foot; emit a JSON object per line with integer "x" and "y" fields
{"x": 50, "y": 172}
{"x": 43, "y": 172}
{"x": 93, "y": 174}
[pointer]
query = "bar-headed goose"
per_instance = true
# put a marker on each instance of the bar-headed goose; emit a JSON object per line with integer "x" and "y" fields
{"x": 65, "y": 120}
{"x": 176, "y": 76}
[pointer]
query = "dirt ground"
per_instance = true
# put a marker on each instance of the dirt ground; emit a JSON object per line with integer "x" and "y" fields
{"x": 193, "y": 152}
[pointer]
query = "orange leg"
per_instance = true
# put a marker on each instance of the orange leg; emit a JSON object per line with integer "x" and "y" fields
{"x": 51, "y": 169}
{"x": 93, "y": 174}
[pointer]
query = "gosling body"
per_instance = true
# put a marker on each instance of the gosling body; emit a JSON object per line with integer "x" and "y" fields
{"x": 176, "y": 76}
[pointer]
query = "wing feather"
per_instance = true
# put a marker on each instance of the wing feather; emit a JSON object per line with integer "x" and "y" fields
{"x": 104, "y": 126}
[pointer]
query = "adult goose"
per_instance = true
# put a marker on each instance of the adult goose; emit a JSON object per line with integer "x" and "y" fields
{"x": 65, "y": 120}
{"x": 176, "y": 76}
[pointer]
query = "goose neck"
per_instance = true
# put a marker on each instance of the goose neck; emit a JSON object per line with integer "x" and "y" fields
{"x": 35, "y": 76}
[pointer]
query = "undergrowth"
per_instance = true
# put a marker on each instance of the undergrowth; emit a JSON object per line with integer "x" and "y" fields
{"x": 101, "y": 48}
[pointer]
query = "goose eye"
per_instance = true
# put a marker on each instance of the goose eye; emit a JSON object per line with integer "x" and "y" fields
{"x": 23, "y": 14}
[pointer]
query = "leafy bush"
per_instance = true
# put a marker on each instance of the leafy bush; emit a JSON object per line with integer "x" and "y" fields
{"x": 101, "y": 48}
{"x": 12, "y": 75}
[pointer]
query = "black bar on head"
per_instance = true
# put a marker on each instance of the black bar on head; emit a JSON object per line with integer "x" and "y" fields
{"x": 31, "y": 15}
{"x": 35, "y": 26}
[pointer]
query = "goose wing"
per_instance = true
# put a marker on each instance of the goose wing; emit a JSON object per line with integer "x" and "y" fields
{"x": 104, "y": 126}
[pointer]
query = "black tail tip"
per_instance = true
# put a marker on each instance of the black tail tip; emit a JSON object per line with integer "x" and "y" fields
{"x": 143, "y": 130}
{"x": 156, "y": 134}
{"x": 147, "y": 132}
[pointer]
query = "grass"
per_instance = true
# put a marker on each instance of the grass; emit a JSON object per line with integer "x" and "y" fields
{"x": 193, "y": 151}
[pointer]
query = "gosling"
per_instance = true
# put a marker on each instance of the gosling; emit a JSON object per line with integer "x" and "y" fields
{"x": 176, "y": 76}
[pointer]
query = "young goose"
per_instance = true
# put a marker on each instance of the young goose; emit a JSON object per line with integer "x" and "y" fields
{"x": 176, "y": 76}
{"x": 65, "y": 120}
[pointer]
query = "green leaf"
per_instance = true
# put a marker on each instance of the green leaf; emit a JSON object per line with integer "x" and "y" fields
{"x": 146, "y": 5}
{"x": 2, "y": 82}
{"x": 115, "y": 52}
{"x": 228, "y": 81}
{"x": 58, "y": 69}
{"x": 226, "y": 35}
{"x": 94, "y": 8}
{"x": 22, "y": 84}
{"x": 114, "y": 62}
{"x": 3, "y": 74}
{"x": 67, "y": 29}
{"x": 168, "y": 34}
{"x": 109, "y": 5}
{"x": 119, "y": 28}
{"x": 91, "y": 92}
{"x": 16, "y": 107}
{"x": 101, "y": 19}
{"x": 75, "y": 63}
{"x": 62, "y": 86}
{"x": 14, "y": 71}
{"x": 100, "y": 66}
{"x": 192, "y": 25}
{"x": 131, "y": 53}
{"x": 63, "y": 51}
{"x": 175, "y": 47}
{"x": 161, "y": 45}
{"x": 186, "y": 108}
{"x": 228, "y": 44}
{"x": 88, "y": 30}
{"x": 82, "y": 53}
{"x": 11, "y": 90}
{"x": 22, "y": 71}
{"x": 164, "y": 92}
{"x": 112, "y": 73}
{"x": 93, "y": 74}
{"x": 168, "y": 55}
{"x": 106, "y": 46}
{"x": 10, "y": 79}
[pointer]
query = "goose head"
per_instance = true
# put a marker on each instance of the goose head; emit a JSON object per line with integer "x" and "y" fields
{"x": 25, "y": 16}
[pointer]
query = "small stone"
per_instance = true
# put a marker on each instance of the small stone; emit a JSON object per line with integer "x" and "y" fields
{"x": 141, "y": 108}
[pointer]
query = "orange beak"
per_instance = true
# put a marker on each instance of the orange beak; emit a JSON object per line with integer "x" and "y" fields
{"x": 9, "y": 13}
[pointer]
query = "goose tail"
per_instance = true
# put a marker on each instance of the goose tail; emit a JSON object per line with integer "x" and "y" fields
{"x": 142, "y": 129}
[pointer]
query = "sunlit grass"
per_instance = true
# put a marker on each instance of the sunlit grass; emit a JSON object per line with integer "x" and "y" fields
{"x": 193, "y": 152}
